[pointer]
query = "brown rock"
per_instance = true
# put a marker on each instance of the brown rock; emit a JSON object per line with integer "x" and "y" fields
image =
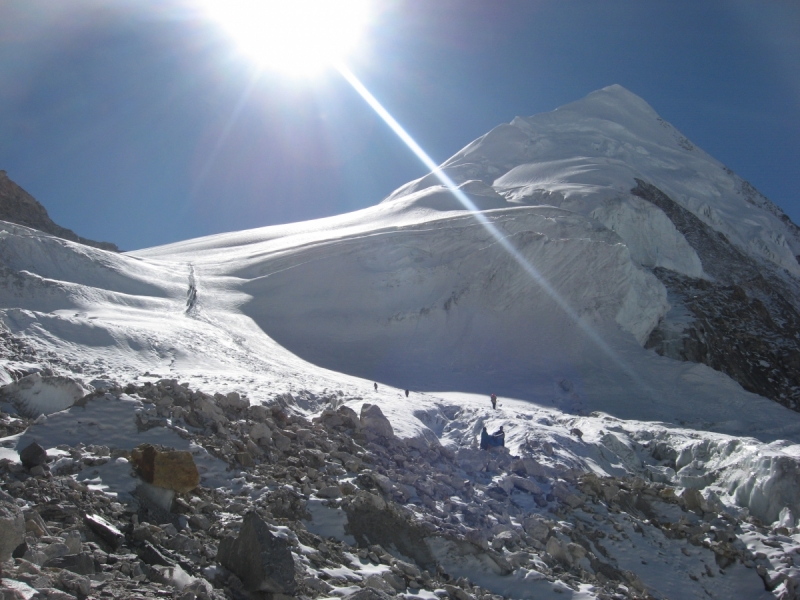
{"x": 170, "y": 469}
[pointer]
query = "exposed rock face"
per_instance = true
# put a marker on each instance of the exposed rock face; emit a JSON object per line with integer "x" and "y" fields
{"x": 169, "y": 469}
{"x": 18, "y": 206}
{"x": 745, "y": 322}
{"x": 260, "y": 559}
{"x": 372, "y": 521}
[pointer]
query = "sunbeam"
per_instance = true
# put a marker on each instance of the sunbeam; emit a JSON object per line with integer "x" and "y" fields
{"x": 504, "y": 242}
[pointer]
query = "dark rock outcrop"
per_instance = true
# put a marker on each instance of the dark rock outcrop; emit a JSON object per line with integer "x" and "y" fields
{"x": 32, "y": 455}
{"x": 259, "y": 558}
{"x": 746, "y": 321}
{"x": 18, "y": 206}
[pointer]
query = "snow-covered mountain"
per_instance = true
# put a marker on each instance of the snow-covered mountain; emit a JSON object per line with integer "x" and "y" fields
{"x": 606, "y": 277}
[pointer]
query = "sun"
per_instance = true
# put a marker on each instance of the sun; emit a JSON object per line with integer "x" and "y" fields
{"x": 298, "y": 37}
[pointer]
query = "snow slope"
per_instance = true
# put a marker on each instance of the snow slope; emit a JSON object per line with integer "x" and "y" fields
{"x": 417, "y": 293}
{"x": 584, "y": 156}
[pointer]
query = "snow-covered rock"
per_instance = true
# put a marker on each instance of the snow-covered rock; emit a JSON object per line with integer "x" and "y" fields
{"x": 36, "y": 395}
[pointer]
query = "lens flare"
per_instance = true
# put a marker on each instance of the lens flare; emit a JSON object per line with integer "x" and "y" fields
{"x": 501, "y": 239}
{"x": 297, "y": 37}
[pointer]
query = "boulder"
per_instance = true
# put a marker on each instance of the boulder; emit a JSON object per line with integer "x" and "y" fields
{"x": 472, "y": 460}
{"x": 81, "y": 563}
{"x": 369, "y": 593}
{"x": 330, "y": 418}
{"x": 79, "y": 585}
{"x": 394, "y": 580}
{"x": 559, "y": 551}
{"x": 370, "y": 520}
{"x": 530, "y": 467}
{"x": 330, "y": 491}
{"x": 261, "y": 433}
{"x": 105, "y": 530}
{"x": 376, "y": 582}
{"x": 153, "y": 556}
{"x": 525, "y": 484}
{"x": 374, "y": 421}
{"x": 33, "y": 455}
{"x": 259, "y": 558}
{"x": 209, "y": 410}
{"x": 693, "y": 500}
{"x": 282, "y": 442}
{"x": 349, "y": 417}
{"x": 232, "y": 401}
{"x": 537, "y": 527}
{"x": 170, "y": 469}
{"x": 565, "y": 495}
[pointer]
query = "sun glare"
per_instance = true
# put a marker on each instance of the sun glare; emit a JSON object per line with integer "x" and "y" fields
{"x": 298, "y": 37}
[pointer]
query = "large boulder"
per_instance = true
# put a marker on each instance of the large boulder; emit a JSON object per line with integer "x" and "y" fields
{"x": 373, "y": 421}
{"x": 170, "y": 469}
{"x": 259, "y": 558}
{"x": 371, "y": 520}
{"x": 472, "y": 460}
{"x": 32, "y": 455}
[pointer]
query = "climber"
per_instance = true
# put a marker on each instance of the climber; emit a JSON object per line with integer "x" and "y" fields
{"x": 484, "y": 439}
{"x": 376, "y": 386}
{"x": 406, "y": 393}
{"x": 494, "y": 440}
{"x": 493, "y": 398}
{"x": 500, "y": 436}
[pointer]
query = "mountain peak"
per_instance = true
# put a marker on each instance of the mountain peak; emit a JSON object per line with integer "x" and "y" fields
{"x": 612, "y": 103}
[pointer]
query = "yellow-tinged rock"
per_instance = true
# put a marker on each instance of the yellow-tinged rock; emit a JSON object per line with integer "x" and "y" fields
{"x": 170, "y": 469}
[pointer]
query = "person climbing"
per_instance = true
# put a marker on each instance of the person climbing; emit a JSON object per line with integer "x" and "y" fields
{"x": 500, "y": 436}
{"x": 492, "y": 440}
{"x": 484, "y": 439}
{"x": 406, "y": 393}
{"x": 493, "y": 398}
{"x": 376, "y": 386}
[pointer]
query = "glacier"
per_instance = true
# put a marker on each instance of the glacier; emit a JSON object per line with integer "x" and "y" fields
{"x": 415, "y": 293}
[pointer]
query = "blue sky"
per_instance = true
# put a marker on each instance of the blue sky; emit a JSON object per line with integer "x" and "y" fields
{"x": 139, "y": 123}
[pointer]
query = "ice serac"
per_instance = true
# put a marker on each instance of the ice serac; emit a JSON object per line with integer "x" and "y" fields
{"x": 726, "y": 255}
{"x": 436, "y": 301}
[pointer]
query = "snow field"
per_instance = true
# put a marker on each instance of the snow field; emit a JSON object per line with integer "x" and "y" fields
{"x": 415, "y": 293}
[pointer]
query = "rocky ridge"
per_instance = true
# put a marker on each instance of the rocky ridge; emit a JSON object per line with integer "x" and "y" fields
{"x": 743, "y": 321}
{"x": 18, "y": 206}
{"x": 413, "y": 518}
